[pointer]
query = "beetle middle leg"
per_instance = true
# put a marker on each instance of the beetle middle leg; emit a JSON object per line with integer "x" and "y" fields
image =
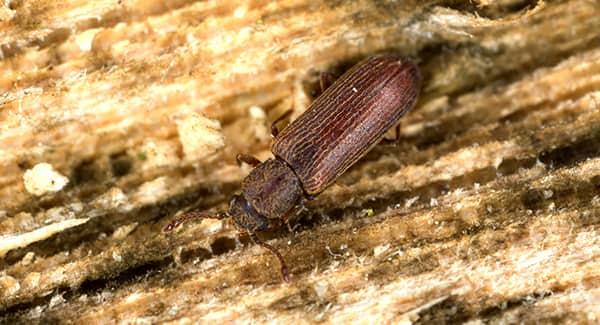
{"x": 292, "y": 215}
{"x": 326, "y": 79}
{"x": 394, "y": 141}
{"x": 274, "y": 129}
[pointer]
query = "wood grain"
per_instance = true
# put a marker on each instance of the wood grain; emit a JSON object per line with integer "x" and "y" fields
{"x": 488, "y": 210}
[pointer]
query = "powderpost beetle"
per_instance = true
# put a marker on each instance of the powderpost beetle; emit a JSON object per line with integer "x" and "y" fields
{"x": 348, "y": 119}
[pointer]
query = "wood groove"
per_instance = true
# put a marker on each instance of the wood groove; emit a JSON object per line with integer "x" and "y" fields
{"x": 490, "y": 201}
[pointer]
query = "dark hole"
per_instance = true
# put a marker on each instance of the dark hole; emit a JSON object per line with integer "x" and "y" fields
{"x": 310, "y": 220}
{"x": 245, "y": 240}
{"x": 120, "y": 164}
{"x": 573, "y": 153}
{"x": 24, "y": 164}
{"x": 510, "y": 166}
{"x": 520, "y": 5}
{"x": 558, "y": 157}
{"x": 196, "y": 253}
{"x": 596, "y": 181}
{"x": 136, "y": 273}
{"x": 86, "y": 171}
{"x": 532, "y": 199}
{"x": 510, "y": 304}
{"x": 433, "y": 137}
{"x": 222, "y": 245}
{"x": 447, "y": 311}
{"x": 336, "y": 214}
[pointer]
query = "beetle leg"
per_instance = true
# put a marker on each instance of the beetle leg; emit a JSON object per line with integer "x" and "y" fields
{"x": 193, "y": 215}
{"x": 309, "y": 197}
{"x": 291, "y": 216}
{"x": 274, "y": 129}
{"x": 284, "y": 269}
{"x": 395, "y": 141}
{"x": 286, "y": 220}
{"x": 248, "y": 159}
{"x": 326, "y": 79}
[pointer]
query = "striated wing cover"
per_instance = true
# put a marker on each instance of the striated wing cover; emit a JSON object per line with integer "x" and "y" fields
{"x": 348, "y": 119}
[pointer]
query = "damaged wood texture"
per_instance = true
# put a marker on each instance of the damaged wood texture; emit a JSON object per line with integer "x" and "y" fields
{"x": 488, "y": 210}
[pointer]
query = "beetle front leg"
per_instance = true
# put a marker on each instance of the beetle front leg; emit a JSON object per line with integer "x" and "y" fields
{"x": 248, "y": 159}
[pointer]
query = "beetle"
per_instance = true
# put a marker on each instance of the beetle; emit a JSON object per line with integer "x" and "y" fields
{"x": 348, "y": 119}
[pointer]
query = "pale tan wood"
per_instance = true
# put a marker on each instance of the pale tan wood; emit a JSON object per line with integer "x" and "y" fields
{"x": 487, "y": 211}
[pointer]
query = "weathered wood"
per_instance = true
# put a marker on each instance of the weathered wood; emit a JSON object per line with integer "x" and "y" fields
{"x": 488, "y": 210}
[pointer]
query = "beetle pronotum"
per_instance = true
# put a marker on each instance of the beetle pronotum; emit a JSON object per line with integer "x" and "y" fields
{"x": 348, "y": 119}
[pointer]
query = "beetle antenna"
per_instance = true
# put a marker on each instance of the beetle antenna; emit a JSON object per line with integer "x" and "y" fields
{"x": 193, "y": 215}
{"x": 284, "y": 269}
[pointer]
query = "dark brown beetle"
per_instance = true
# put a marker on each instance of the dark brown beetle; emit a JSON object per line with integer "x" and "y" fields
{"x": 340, "y": 126}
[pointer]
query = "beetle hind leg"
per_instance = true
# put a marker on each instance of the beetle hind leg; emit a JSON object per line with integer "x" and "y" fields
{"x": 393, "y": 142}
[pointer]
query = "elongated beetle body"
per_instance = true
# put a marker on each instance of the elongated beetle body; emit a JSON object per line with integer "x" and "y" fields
{"x": 347, "y": 120}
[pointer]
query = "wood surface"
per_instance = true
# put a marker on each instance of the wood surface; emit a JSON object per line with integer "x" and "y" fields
{"x": 488, "y": 210}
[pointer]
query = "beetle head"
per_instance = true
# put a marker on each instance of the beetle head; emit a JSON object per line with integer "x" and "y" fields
{"x": 245, "y": 216}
